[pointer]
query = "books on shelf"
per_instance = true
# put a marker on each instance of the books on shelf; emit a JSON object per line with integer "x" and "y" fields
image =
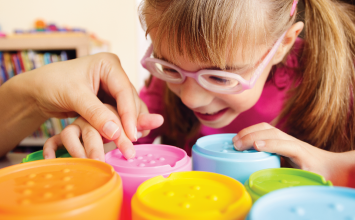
{"x": 14, "y": 63}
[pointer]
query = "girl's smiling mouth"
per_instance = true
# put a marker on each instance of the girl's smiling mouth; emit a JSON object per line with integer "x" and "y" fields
{"x": 211, "y": 117}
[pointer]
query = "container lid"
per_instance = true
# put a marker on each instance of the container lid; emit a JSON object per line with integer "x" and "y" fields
{"x": 306, "y": 202}
{"x": 54, "y": 185}
{"x": 265, "y": 181}
{"x": 221, "y": 145}
{"x": 150, "y": 159}
{"x": 192, "y": 195}
{"x": 38, "y": 155}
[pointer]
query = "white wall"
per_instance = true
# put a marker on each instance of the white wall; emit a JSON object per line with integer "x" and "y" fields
{"x": 113, "y": 20}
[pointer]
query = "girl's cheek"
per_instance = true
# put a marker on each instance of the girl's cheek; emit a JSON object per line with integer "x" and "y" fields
{"x": 175, "y": 88}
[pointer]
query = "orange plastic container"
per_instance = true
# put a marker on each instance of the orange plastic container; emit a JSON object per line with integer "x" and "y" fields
{"x": 68, "y": 188}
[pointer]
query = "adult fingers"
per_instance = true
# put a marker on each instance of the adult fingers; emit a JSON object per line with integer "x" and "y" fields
{"x": 71, "y": 139}
{"x": 117, "y": 84}
{"x": 51, "y": 146}
{"x": 247, "y": 141}
{"x": 92, "y": 141}
{"x": 97, "y": 114}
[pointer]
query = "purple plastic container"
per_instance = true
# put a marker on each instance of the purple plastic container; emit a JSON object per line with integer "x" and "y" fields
{"x": 151, "y": 160}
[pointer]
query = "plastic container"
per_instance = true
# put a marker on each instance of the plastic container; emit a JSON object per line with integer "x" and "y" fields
{"x": 215, "y": 153}
{"x": 190, "y": 196}
{"x": 56, "y": 189}
{"x": 265, "y": 181}
{"x": 151, "y": 160}
{"x": 38, "y": 155}
{"x": 306, "y": 202}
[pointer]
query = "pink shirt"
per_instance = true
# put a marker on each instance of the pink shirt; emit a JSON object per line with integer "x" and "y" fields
{"x": 267, "y": 108}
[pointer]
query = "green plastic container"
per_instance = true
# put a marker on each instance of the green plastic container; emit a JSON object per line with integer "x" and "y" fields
{"x": 268, "y": 180}
{"x": 38, "y": 155}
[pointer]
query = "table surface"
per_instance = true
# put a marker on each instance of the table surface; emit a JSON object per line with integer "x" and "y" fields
{"x": 16, "y": 158}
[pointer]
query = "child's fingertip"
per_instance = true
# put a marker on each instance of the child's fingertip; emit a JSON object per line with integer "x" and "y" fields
{"x": 129, "y": 153}
{"x": 260, "y": 145}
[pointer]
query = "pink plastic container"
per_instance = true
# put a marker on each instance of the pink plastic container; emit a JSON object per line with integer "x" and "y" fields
{"x": 151, "y": 160}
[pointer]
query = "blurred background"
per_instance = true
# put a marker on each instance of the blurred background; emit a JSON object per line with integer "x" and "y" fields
{"x": 37, "y": 32}
{"x": 114, "y": 21}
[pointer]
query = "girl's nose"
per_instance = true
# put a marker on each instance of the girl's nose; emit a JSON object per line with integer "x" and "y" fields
{"x": 193, "y": 95}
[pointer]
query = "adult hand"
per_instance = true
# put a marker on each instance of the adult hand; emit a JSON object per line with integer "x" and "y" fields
{"x": 335, "y": 167}
{"x": 82, "y": 140}
{"x": 64, "y": 89}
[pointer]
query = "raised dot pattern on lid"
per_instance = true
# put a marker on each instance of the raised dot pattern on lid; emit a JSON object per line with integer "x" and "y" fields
{"x": 306, "y": 202}
{"x": 182, "y": 195}
{"x": 163, "y": 157}
{"x": 48, "y": 184}
{"x": 265, "y": 181}
{"x": 222, "y": 145}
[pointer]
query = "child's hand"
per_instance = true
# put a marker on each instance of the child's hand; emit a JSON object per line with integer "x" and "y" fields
{"x": 92, "y": 146}
{"x": 264, "y": 137}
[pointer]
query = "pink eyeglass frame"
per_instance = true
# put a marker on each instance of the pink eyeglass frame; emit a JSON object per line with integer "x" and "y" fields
{"x": 148, "y": 63}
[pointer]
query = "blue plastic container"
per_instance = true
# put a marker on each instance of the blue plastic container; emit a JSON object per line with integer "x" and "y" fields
{"x": 306, "y": 202}
{"x": 215, "y": 153}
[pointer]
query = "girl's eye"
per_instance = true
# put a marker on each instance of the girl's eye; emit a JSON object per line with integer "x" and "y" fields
{"x": 171, "y": 72}
{"x": 221, "y": 81}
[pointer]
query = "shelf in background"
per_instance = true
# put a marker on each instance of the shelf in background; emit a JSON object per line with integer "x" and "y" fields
{"x": 48, "y": 41}
{"x": 30, "y": 141}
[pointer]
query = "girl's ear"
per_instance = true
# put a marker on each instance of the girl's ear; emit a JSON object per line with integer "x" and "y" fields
{"x": 288, "y": 42}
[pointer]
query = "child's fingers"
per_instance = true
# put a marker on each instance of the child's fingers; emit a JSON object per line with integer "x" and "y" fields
{"x": 93, "y": 143}
{"x": 51, "y": 146}
{"x": 247, "y": 141}
{"x": 148, "y": 121}
{"x": 251, "y": 129}
{"x": 291, "y": 149}
{"x": 71, "y": 140}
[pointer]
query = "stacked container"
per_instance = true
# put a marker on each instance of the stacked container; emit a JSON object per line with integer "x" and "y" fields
{"x": 71, "y": 189}
{"x": 306, "y": 202}
{"x": 38, "y": 155}
{"x": 265, "y": 181}
{"x": 190, "y": 196}
{"x": 151, "y": 160}
{"x": 215, "y": 153}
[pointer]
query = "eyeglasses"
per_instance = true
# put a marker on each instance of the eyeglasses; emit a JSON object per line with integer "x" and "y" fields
{"x": 213, "y": 80}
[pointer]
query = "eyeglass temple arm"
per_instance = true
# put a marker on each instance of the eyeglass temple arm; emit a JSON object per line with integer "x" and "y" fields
{"x": 147, "y": 54}
{"x": 266, "y": 61}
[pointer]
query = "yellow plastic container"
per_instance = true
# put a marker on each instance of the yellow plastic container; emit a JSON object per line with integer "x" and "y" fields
{"x": 70, "y": 189}
{"x": 191, "y": 195}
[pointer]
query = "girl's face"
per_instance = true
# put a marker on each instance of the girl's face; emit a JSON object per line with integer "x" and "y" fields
{"x": 214, "y": 109}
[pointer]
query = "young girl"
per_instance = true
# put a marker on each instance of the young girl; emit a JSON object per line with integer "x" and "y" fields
{"x": 233, "y": 66}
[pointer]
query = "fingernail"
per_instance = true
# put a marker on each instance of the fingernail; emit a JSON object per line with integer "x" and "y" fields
{"x": 237, "y": 145}
{"x": 140, "y": 134}
{"x": 110, "y": 129}
{"x": 129, "y": 153}
{"x": 235, "y": 138}
{"x": 260, "y": 144}
{"x": 45, "y": 157}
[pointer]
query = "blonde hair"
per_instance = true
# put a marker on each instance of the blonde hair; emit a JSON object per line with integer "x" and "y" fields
{"x": 319, "y": 110}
